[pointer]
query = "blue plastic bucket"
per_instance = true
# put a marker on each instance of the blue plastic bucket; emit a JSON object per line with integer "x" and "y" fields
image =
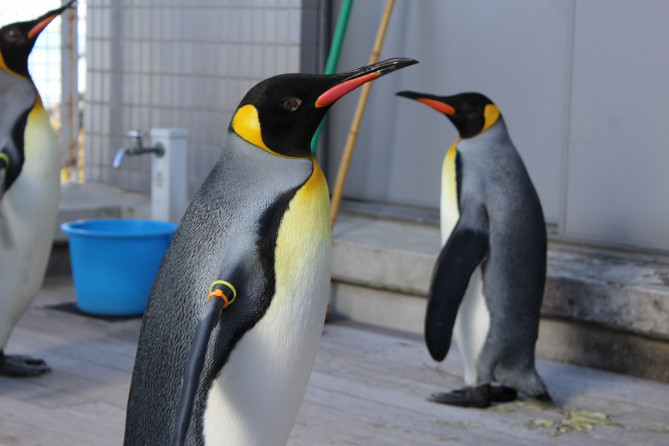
{"x": 114, "y": 262}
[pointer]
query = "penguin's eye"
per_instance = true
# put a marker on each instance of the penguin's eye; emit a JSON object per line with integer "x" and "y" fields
{"x": 11, "y": 35}
{"x": 291, "y": 104}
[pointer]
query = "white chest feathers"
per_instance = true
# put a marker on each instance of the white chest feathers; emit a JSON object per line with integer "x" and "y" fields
{"x": 29, "y": 210}
{"x": 449, "y": 211}
{"x": 256, "y": 397}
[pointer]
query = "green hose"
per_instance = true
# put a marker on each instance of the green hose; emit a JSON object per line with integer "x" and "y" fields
{"x": 333, "y": 56}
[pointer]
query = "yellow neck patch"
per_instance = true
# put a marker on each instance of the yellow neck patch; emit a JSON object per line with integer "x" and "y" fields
{"x": 316, "y": 181}
{"x": 449, "y": 175}
{"x": 490, "y": 116}
{"x": 449, "y": 209}
{"x": 246, "y": 124}
{"x": 39, "y": 106}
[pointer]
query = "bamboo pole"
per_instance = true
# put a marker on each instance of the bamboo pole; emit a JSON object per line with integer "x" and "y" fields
{"x": 357, "y": 117}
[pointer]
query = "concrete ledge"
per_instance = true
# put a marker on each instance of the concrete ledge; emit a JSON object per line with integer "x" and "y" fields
{"x": 599, "y": 347}
{"x": 601, "y": 309}
{"x": 384, "y": 254}
{"x": 620, "y": 292}
{"x": 383, "y": 308}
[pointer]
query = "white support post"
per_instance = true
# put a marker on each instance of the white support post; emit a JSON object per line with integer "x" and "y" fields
{"x": 69, "y": 105}
{"x": 169, "y": 174}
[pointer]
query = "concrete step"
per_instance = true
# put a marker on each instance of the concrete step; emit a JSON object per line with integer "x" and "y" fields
{"x": 601, "y": 309}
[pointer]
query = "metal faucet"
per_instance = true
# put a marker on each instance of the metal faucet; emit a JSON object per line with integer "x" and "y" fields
{"x": 136, "y": 149}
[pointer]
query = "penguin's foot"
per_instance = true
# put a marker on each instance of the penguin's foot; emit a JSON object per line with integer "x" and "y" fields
{"x": 481, "y": 396}
{"x": 503, "y": 394}
{"x": 543, "y": 397}
{"x": 22, "y": 366}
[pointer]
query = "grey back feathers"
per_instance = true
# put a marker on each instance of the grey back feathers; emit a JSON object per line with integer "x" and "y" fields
{"x": 514, "y": 268}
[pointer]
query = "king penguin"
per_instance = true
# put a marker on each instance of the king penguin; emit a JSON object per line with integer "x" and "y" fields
{"x": 29, "y": 186}
{"x": 256, "y": 239}
{"x": 488, "y": 281}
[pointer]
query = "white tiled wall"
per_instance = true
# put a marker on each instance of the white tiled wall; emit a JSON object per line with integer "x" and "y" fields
{"x": 182, "y": 63}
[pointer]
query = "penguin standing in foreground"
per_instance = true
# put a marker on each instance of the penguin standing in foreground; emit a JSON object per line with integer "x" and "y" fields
{"x": 488, "y": 281}
{"x": 255, "y": 240}
{"x": 29, "y": 186}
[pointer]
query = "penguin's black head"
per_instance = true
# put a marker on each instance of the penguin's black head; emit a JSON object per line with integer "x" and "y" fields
{"x": 470, "y": 113}
{"x": 281, "y": 114}
{"x": 17, "y": 40}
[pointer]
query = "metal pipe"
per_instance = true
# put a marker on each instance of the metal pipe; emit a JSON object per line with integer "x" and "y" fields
{"x": 136, "y": 149}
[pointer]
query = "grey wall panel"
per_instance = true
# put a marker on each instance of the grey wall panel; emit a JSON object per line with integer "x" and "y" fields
{"x": 618, "y": 186}
{"x": 517, "y": 52}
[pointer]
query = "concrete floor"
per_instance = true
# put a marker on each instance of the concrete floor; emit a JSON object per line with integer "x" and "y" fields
{"x": 368, "y": 387}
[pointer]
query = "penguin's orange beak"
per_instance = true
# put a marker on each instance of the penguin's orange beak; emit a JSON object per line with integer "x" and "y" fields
{"x": 439, "y": 106}
{"x": 349, "y": 81}
{"x": 338, "y": 91}
{"x": 430, "y": 101}
{"x": 43, "y": 21}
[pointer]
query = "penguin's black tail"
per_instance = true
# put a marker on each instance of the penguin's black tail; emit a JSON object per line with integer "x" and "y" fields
{"x": 198, "y": 352}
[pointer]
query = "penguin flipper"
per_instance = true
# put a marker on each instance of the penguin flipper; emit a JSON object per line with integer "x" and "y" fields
{"x": 462, "y": 253}
{"x": 196, "y": 357}
{"x": 6, "y": 239}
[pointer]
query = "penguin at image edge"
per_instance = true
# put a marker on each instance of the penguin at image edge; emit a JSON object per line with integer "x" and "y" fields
{"x": 488, "y": 281}
{"x": 235, "y": 315}
{"x": 29, "y": 186}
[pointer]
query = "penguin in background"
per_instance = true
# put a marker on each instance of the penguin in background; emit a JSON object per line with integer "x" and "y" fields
{"x": 29, "y": 186}
{"x": 256, "y": 242}
{"x": 488, "y": 281}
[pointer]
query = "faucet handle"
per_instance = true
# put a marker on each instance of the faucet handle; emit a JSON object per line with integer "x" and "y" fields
{"x": 137, "y": 134}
